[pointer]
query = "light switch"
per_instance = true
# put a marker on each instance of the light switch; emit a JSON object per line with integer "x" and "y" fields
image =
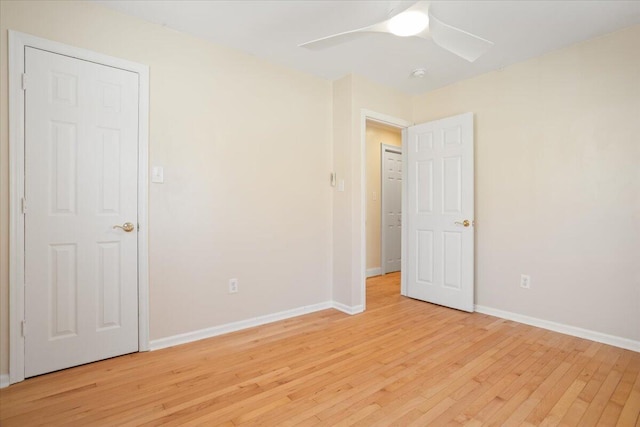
{"x": 157, "y": 174}
{"x": 341, "y": 185}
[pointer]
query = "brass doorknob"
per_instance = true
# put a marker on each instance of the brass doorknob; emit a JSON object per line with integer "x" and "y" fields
{"x": 464, "y": 223}
{"x": 127, "y": 226}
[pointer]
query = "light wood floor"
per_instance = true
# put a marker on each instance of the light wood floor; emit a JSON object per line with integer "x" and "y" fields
{"x": 403, "y": 362}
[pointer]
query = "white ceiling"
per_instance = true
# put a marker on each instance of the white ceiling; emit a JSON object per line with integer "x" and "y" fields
{"x": 273, "y": 30}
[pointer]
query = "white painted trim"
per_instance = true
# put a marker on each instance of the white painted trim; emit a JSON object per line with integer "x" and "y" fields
{"x": 383, "y": 223}
{"x": 237, "y": 326}
{"x": 250, "y": 323}
{"x": 562, "y": 328}
{"x": 360, "y": 265}
{"x": 405, "y": 207}
{"x": 384, "y": 119}
{"x": 371, "y": 272}
{"x": 354, "y": 309}
{"x": 16, "y": 220}
{"x": 4, "y": 381}
{"x": 143, "y": 211}
{"x": 17, "y": 43}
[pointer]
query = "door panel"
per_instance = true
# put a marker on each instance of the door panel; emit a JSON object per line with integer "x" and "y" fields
{"x": 440, "y": 197}
{"x": 63, "y": 168}
{"x": 81, "y": 161}
{"x": 63, "y": 289}
{"x": 109, "y": 285}
{"x": 424, "y": 186}
{"x": 451, "y": 180}
{"x": 425, "y": 253}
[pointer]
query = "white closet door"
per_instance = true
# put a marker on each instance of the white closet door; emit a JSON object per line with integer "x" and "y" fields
{"x": 81, "y": 161}
{"x": 391, "y": 209}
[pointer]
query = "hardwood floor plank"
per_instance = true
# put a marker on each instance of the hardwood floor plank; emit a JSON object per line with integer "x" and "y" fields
{"x": 631, "y": 411}
{"x": 548, "y": 401}
{"x": 603, "y": 396}
{"x": 402, "y": 362}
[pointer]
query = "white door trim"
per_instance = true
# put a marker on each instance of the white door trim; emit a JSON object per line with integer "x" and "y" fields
{"x": 17, "y": 43}
{"x": 383, "y": 222}
{"x": 360, "y": 265}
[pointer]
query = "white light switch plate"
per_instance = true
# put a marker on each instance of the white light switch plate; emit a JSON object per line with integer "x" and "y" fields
{"x": 157, "y": 174}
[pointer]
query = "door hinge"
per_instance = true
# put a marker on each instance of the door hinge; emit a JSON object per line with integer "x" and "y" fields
{"x": 24, "y": 328}
{"x": 24, "y": 205}
{"x": 24, "y": 81}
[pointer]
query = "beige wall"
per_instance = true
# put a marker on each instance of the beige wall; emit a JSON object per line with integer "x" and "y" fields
{"x": 558, "y": 182}
{"x": 377, "y": 134}
{"x": 246, "y": 148}
{"x": 354, "y": 94}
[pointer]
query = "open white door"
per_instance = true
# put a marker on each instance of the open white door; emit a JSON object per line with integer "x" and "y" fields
{"x": 439, "y": 188}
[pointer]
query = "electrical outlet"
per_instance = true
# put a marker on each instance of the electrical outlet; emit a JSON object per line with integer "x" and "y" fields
{"x": 233, "y": 286}
{"x": 525, "y": 281}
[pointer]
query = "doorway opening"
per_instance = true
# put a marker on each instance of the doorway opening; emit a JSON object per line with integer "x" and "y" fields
{"x": 384, "y": 198}
{"x": 381, "y": 138}
{"x": 437, "y": 210}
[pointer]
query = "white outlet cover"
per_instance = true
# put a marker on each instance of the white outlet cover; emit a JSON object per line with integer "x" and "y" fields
{"x": 233, "y": 286}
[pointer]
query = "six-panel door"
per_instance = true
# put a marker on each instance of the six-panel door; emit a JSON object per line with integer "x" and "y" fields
{"x": 440, "y": 198}
{"x": 392, "y": 210}
{"x": 81, "y": 160}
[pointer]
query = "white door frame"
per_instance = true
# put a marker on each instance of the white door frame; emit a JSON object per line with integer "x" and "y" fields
{"x": 389, "y": 121}
{"x": 383, "y": 233}
{"x": 17, "y": 44}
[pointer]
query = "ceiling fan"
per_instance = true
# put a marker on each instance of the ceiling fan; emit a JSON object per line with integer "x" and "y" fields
{"x": 416, "y": 21}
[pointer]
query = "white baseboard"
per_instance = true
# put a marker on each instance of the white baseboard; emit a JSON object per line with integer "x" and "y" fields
{"x": 374, "y": 271}
{"x": 236, "y": 326}
{"x": 354, "y": 309}
{"x": 249, "y": 323}
{"x": 4, "y": 380}
{"x": 562, "y": 328}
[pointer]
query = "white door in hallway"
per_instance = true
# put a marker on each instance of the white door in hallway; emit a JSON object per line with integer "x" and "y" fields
{"x": 391, "y": 208}
{"x": 81, "y": 168}
{"x": 440, "y": 212}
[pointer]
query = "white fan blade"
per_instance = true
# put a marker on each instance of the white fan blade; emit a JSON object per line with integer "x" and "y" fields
{"x": 419, "y": 6}
{"x": 336, "y": 39}
{"x": 455, "y": 40}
